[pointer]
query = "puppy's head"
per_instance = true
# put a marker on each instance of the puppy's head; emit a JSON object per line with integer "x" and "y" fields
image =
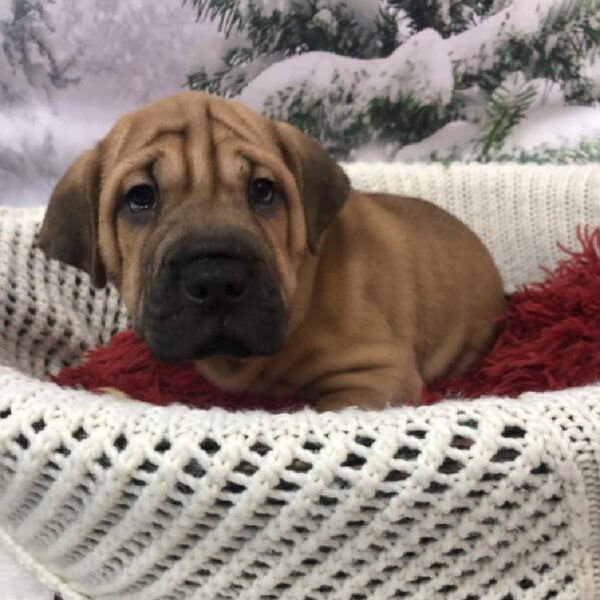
{"x": 200, "y": 212}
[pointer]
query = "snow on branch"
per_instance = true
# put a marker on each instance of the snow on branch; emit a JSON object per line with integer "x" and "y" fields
{"x": 420, "y": 68}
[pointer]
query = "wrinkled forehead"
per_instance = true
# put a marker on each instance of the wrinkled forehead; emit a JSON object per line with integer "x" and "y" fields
{"x": 195, "y": 125}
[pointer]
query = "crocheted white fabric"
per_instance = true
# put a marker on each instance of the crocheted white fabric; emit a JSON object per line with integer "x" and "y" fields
{"x": 119, "y": 500}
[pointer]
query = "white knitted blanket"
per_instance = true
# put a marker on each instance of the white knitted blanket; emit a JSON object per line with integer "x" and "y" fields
{"x": 115, "y": 500}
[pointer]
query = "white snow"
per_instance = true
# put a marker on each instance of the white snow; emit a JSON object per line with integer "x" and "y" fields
{"x": 5, "y": 9}
{"x": 249, "y": 71}
{"x": 543, "y": 127}
{"x": 419, "y": 68}
{"x": 207, "y": 53}
{"x": 475, "y": 49}
{"x": 129, "y": 51}
{"x": 591, "y": 69}
{"x": 325, "y": 18}
{"x": 403, "y": 27}
{"x": 547, "y": 93}
{"x": 453, "y": 139}
{"x": 473, "y": 100}
{"x": 555, "y": 126}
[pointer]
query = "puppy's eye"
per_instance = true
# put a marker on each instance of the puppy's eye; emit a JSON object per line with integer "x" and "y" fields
{"x": 261, "y": 192}
{"x": 141, "y": 197}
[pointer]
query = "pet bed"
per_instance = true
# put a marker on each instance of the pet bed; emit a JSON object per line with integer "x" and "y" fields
{"x": 112, "y": 499}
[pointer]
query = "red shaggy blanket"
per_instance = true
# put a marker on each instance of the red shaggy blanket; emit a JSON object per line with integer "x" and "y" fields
{"x": 550, "y": 341}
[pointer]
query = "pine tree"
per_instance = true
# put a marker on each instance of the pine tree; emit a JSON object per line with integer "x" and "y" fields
{"x": 507, "y": 105}
{"x": 347, "y": 106}
{"x": 267, "y": 36}
{"x": 568, "y": 33}
{"x": 361, "y": 29}
{"x": 447, "y": 17}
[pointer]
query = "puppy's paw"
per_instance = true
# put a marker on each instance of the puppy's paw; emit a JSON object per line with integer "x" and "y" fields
{"x": 341, "y": 400}
{"x": 115, "y": 393}
{"x": 370, "y": 400}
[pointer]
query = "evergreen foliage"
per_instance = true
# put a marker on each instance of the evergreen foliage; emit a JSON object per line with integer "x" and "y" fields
{"x": 508, "y": 79}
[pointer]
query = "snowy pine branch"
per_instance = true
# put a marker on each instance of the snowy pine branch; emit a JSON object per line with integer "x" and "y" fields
{"x": 223, "y": 12}
{"x": 506, "y": 107}
{"x": 389, "y": 73}
{"x": 447, "y": 17}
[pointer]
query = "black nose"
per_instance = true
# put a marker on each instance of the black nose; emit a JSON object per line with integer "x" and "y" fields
{"x": 215, "y": 281}
{"x": 213, "y": 273}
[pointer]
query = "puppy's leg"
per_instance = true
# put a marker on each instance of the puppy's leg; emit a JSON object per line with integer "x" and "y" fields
{"x": 374, "y": 389}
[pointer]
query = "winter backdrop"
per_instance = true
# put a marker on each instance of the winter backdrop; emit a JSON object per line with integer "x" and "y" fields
{"x": 392, "y": 80}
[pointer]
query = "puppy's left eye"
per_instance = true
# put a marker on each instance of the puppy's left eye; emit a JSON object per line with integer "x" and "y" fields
{"x": 141, "y": 197}
{"x": 261, "y": 192}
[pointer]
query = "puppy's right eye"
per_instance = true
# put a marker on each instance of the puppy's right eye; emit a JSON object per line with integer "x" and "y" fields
{"x": 261, "y": 192}
{"x": 141, "y": 197}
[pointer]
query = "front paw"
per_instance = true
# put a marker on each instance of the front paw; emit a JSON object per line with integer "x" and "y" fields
{"x": 368, "y": 399}
{"x": 114, "y": 392}
{"x": 341, "y": 401}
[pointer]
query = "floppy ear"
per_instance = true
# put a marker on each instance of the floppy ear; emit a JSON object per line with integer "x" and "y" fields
{"x": 69, "y": 232}
{"x": 324, "y": 186}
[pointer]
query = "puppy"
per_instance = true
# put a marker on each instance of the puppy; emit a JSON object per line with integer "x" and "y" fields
{"x": 236, "y": 241}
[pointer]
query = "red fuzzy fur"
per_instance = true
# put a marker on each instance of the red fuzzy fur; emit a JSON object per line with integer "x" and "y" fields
{"x": 551, "y": 335}
{"x": 550, "y": 341}
{"x": 126, "y": 364}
